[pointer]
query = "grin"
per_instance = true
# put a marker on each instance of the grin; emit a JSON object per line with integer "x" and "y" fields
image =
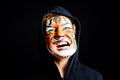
{"x": 62, "y": 45}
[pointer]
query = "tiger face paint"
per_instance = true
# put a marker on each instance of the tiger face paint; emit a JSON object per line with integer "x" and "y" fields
{"x": 60, "y": 36}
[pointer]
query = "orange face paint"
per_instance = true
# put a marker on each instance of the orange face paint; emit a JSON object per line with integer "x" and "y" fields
{"x": 60, "y": 36}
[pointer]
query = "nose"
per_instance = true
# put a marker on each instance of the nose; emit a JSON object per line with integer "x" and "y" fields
{"x": 59, "y": 34}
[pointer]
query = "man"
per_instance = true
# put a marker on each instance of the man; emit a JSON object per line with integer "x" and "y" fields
{"x": 61, "y": 33}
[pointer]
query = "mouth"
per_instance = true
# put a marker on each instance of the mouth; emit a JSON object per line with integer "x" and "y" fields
{"x": 62, "y": 45}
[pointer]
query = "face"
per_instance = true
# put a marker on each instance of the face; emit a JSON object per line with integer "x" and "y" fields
{"x": 60, "y": 36}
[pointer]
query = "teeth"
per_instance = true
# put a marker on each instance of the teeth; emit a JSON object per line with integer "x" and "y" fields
{"x": 62, "y": 43}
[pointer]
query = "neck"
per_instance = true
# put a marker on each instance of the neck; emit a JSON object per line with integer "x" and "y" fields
{"x": 62, "y": 65}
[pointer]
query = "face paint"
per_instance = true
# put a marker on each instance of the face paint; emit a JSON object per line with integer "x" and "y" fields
{"x": 60, "y": 36}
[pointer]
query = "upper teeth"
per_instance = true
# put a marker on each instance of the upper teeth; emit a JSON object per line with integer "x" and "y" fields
{"x": 61, "y": 43}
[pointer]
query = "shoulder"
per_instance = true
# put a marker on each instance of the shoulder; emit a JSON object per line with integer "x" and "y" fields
{"x": 84, "y": 71}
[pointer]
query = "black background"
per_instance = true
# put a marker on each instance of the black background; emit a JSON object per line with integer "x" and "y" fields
{"x": 97, "y": 41}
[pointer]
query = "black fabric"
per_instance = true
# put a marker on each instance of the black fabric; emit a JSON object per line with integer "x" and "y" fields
{"x": 75, "y": 71}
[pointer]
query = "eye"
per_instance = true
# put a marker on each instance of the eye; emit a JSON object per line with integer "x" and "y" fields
{"x": 50, "y": 29}
{"x": 66, "y": 28}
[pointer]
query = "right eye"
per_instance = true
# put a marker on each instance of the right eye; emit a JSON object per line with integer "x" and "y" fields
{"x": 50, "y": 29}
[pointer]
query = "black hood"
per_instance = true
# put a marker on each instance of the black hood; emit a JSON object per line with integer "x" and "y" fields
{"x": 62, "y": 11}
{"x": 74, "y": 59}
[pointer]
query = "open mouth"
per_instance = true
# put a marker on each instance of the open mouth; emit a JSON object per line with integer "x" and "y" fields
{"x": 62, "y": 45}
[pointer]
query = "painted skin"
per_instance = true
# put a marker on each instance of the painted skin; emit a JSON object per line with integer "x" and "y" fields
{"x": 60, "y": 36}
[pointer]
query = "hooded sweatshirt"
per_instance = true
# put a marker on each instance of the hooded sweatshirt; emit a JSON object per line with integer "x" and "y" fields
{"x": 75, "y": 71}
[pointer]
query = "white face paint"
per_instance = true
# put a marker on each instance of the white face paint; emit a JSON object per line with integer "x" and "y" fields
{"x": 60, "y": 36}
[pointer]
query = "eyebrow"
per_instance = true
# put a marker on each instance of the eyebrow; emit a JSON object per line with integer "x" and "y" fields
{"x": 66, "y": 23}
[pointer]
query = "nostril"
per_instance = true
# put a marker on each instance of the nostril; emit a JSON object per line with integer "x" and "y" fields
{"x": 59, "y": 37}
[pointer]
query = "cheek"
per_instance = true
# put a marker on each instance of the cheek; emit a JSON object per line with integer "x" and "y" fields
{"x": 49, "y": 38}
{"x": 71, "y": 34}
{"x": 49, "y": 43}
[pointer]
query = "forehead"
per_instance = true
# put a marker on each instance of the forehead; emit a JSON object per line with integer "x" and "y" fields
{"x": 58, "y": 19}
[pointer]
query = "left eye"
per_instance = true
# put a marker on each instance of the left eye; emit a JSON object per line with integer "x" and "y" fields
{"x": 67, "y": 28}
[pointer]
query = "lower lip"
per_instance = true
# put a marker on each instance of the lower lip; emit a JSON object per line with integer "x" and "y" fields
{"x": 63, "y": 48}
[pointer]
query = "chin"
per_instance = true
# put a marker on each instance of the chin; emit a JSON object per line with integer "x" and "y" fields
{"x": 65, "y": 53}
